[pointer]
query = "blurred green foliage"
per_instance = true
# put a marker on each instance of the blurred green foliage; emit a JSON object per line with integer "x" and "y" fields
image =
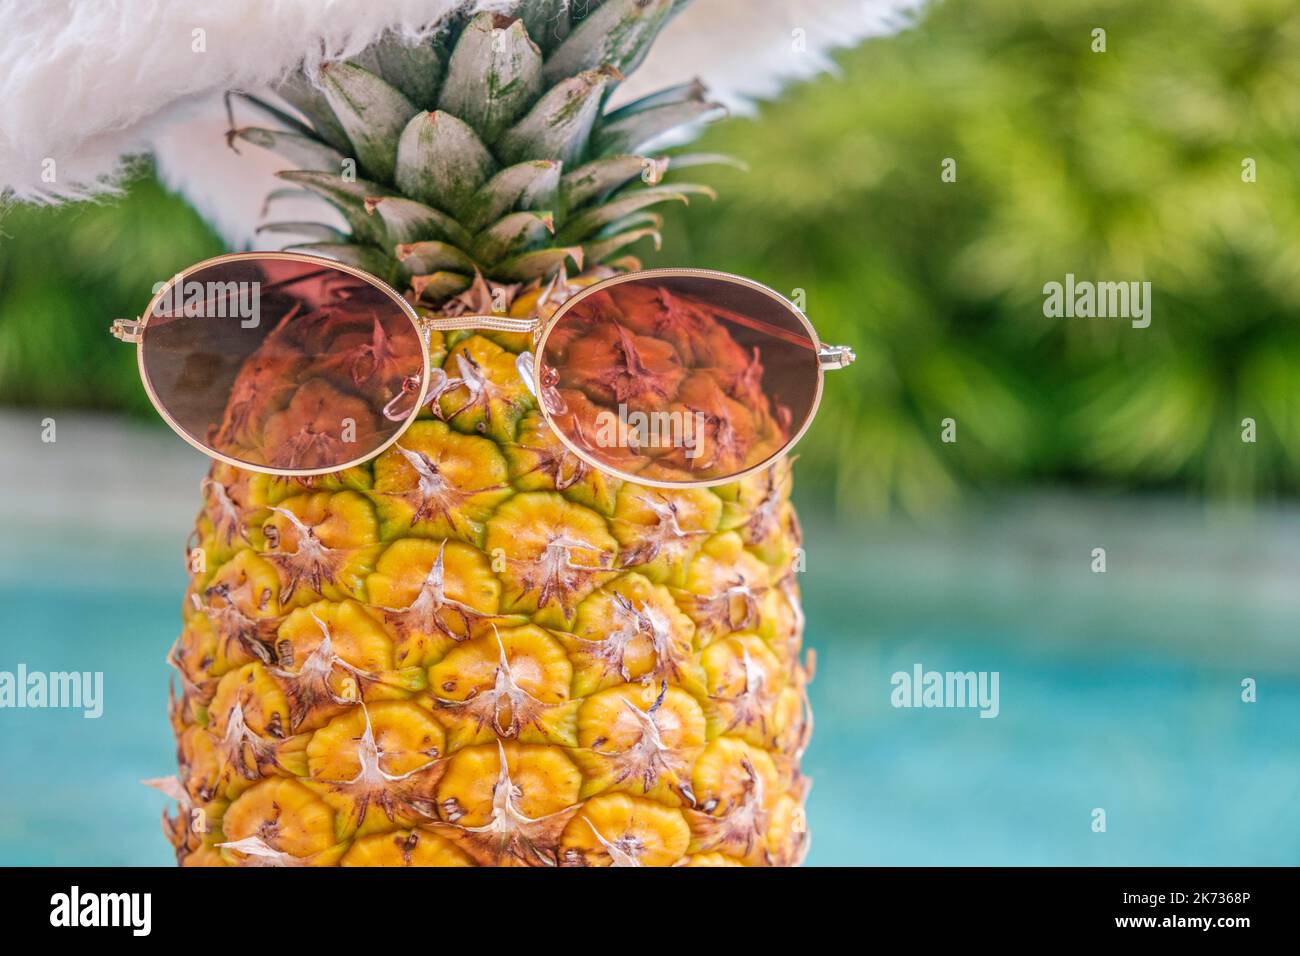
{"x": 66, "y": 272}
{"x": 1122, "y": 165}
{"x": 1116, "y": 165}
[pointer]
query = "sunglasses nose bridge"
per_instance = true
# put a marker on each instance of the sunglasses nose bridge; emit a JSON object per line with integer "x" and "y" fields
{"x": 492, "y": 323}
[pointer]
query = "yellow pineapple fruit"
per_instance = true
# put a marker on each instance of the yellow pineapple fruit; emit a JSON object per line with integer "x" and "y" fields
{"x": 476, "y": 649}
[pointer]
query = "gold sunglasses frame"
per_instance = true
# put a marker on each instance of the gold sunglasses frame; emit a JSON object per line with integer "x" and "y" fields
{"x": 828, "y": 358}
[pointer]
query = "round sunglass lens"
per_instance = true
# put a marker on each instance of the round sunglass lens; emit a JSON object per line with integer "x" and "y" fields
{"x": 282, "y": 364}
{"x": 679, "y": 378}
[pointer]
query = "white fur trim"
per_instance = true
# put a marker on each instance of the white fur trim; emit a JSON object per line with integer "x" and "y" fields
{"x": 746, "y": 49}
{"x": 86, "y": 83}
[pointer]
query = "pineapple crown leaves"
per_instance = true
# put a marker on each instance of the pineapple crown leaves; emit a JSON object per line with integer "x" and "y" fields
{"x": 485, "y": 150}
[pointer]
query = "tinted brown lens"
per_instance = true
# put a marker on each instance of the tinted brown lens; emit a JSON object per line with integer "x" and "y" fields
{"x": 679, "y": 378}
{"x": 282, "y": 364}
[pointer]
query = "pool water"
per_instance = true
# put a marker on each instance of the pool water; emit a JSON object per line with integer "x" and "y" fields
{"x": 1119, "y": 691}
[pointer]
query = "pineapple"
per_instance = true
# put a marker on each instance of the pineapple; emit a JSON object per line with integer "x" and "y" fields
{"x": 476, "y": 649}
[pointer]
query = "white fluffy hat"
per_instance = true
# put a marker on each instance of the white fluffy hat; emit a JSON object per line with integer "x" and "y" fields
{"x": 88, "y": 84}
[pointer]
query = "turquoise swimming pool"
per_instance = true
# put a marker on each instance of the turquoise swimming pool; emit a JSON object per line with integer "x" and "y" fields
{"x": 1119, "y": 691}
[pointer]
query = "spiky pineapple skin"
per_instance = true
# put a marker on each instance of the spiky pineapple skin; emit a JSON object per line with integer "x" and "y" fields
{"x": 474, "y": 649}
{"x": 534, "y": 610}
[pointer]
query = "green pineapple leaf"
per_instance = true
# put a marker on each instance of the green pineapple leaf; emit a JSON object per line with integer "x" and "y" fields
{"x": 597, "y": 179}
{"x": 371, "y": 112}
{"x": 421, "y": 258}
{"x": 589, "y": 222}
{"x": 617, "y": 34}
{"x": 299, "y": 92}
{"x": 415, "y": 69}
{"x": 495, "y": 74}
{"x": 406, "y": 220}
{"x": 442, "y": 162}
{"x": 305, "y": 152}
{"x": 317, "y": 231}
{"x": 559, "y": 124}
{"x": 511, "y": 234}
{"x": 601, "y": 249}
{"x": 369, "y": 258}
{"x": 547, "y": 21}
{"x": 268, "y": 112}
{"x": 634, "y": 131}
{"x": 691, "y": 91}
{"x": 439, "y": 285}
{"x": 347, "y": 196}
{"x": 539, "y": 263}
{"x": 531, "y": 185}
{"x": 687, "y": 160}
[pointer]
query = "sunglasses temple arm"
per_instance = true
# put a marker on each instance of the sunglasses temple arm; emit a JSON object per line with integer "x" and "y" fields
{"x": 831, "y": 357}
{"x": 126, "y": 330}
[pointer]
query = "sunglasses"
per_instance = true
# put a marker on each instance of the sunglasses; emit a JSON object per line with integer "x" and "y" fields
{"x": 290, "y": 364}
